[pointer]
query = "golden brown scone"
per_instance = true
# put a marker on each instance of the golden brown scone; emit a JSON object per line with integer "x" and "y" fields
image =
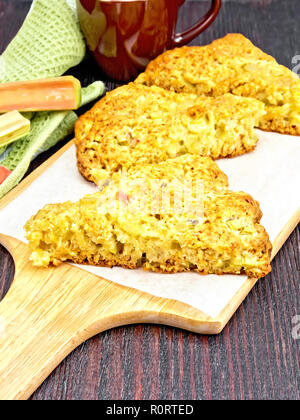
{"x": 132, "y": 224}
{"x": 137, "y": 124}
{"x": 232, "y": 64}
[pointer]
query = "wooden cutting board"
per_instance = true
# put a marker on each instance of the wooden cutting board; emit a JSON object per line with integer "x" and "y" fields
{"x": 47, "y": 313}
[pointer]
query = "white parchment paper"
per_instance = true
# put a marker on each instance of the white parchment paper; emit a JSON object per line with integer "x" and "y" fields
{"x": 271, "y": 174}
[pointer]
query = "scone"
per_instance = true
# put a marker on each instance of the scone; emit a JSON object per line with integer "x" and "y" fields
{"x": 136, "y": 124}
{"x": 175, "y": 216}
{"x": 232, "y": 65}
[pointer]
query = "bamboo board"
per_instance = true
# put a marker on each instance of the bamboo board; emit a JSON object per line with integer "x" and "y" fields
{"x": 47, "y": 313}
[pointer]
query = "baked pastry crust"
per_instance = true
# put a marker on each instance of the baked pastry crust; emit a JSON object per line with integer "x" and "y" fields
{"x": 111, "y": 227}
{"x": 139, "y": 124}
{"x": 232, "y": 65}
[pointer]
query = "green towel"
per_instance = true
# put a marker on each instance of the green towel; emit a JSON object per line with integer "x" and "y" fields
{"x": 48, "y": 44}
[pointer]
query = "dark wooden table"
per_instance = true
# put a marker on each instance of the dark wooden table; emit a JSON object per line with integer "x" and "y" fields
{"x": 256, "y": 356}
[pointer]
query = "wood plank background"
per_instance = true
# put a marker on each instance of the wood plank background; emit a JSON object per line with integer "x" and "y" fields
{"x": 256, "y": 356}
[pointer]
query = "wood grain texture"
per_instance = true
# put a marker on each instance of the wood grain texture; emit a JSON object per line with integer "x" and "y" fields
{"x": 255, "y": 357}
{"x": 49, "y": 312}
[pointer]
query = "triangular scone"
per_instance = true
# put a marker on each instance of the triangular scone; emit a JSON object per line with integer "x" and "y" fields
{"x": 175, "y": 216}
{"x": 232, "y": 65}
{"x": 138, "y": 124}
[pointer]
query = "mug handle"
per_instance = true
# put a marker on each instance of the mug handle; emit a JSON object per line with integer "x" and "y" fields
{"x": 183, "y": 38}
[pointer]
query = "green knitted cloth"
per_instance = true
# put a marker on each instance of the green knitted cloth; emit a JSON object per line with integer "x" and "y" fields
{"x": 47, "y": 45}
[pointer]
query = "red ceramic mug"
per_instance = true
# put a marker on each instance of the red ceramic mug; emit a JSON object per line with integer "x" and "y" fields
{"x": 124, "y": 35}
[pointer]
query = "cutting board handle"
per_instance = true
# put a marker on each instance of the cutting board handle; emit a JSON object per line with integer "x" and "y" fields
{"x": 47, "y": 313}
